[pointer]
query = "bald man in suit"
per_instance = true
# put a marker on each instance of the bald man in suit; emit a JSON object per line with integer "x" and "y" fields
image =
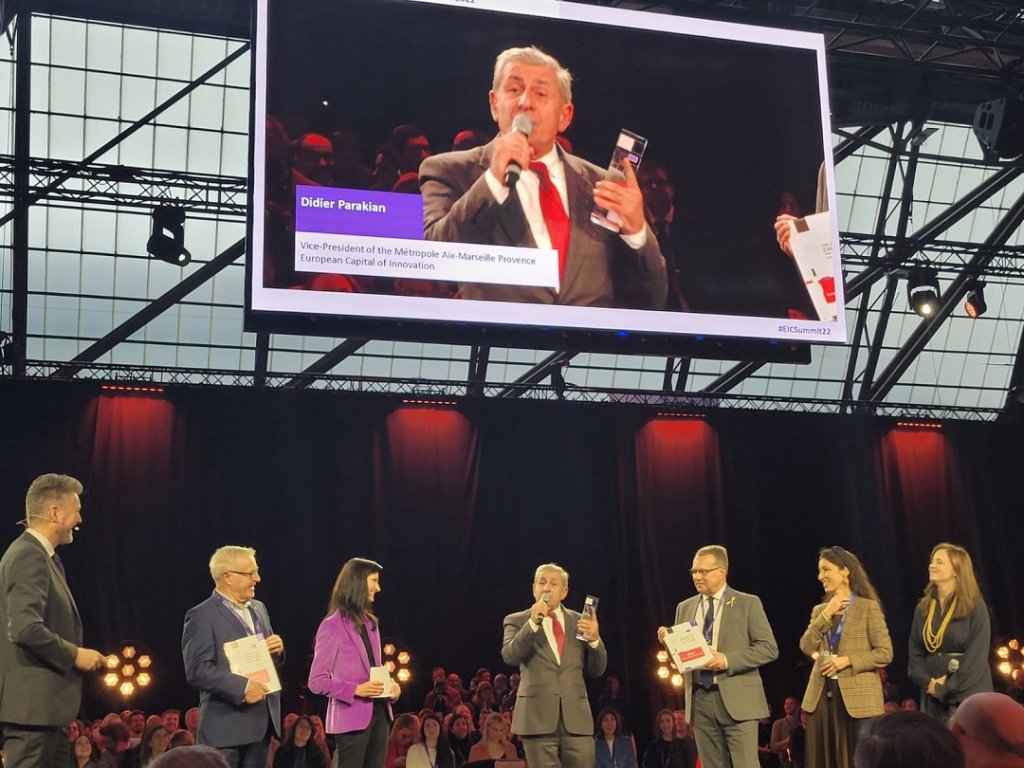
{"x": 41, "y": 658}
{"x": 552, "y": 713}
{"x": 467, "y": 198}
{"x": 725, "y": 700}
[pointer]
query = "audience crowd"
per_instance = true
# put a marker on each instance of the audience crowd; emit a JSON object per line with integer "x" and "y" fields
{"x": 461, "y": 723}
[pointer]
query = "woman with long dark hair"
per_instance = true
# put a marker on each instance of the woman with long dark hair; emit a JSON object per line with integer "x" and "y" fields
{"x": 300, "y": 749}
{"x": 347, "y": 647}
{"x": 849, "y": 641}
{"x": 432, "y": 751}
{"x": 613, "y": 749}
{"x": 668, "y": 750}
{"x": 950, "y": 634}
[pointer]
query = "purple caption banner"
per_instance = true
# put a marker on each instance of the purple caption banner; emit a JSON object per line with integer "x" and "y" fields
{"x": 336, "y": 211}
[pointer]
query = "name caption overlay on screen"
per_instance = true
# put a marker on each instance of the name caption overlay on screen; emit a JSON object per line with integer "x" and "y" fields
{"x": 380, "y": 234}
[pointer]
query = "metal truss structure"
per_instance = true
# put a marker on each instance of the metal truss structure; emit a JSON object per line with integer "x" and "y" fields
{"x": 950, "y": 55}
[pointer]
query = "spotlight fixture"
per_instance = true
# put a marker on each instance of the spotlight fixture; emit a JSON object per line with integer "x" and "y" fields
{"x": 975, "y": 305}
{"x": 999, "y": 127}
{"x": 167, "y": 242}
{"x": 923, "y": 290}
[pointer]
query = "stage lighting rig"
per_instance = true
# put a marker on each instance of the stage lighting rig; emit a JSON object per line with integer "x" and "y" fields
{"x": 975, "y": 305}
{"x": 923, "y": 290}
{"x": 167, "y": 242}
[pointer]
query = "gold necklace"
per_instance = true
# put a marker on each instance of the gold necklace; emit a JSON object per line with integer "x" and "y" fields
{"x": 933, "y": 640}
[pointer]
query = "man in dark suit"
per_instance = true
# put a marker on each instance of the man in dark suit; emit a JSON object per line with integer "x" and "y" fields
{"x": 725, "y": 700}
{"x": 467, "y": 198}
{"x": 40, "y": 642}
{"x": 552, "y": 714}
{"x": 236, "y": 715}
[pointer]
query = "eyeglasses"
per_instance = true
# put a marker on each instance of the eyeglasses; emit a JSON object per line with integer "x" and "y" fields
{"x": 248, "y": 574}
{"x": 702, "y": 572}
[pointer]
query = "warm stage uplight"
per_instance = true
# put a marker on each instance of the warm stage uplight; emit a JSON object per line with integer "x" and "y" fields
{"x": 124, "y": 671}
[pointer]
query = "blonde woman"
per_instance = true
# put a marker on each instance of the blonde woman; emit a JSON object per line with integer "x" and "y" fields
{"x": 950, "y": 634}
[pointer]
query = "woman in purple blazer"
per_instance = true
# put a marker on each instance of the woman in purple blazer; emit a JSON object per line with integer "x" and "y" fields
{"x": 347, "y": 646}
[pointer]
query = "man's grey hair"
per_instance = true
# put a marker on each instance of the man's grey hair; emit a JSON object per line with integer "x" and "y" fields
{"x": 718, "y": 552}
{"x": 45, "y": 491}
{"x": 224, "y": 559}
{"x": 534, "y": 55}
{"x": 551, "y": 567}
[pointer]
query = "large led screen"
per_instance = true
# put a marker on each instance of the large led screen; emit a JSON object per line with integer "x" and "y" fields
{"x": 537, "y": 168}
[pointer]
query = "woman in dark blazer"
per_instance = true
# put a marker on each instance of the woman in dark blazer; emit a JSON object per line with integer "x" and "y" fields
{"x": 849, "y": 640}
{"x": 613, "y": 750}
{"x": 347, "y": 646}
{"x": 950, "y": 634}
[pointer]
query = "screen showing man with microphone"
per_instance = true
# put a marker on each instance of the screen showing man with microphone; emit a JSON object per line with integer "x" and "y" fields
{"x": 553, "y": 646}
{"x": 523, "y": 190}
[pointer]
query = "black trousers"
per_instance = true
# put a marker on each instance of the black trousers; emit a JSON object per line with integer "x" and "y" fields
{"x": 366, "y": 748}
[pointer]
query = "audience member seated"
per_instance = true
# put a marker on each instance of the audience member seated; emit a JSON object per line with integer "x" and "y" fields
{"x": 84, "y": 753}
{"x": 181, "y": 739}
{"x": 327, "y": 746}
{"x": 191, "y": 757}
{"x": 136, "y": 727}
{"x": 483, "y": 699}
{"x": 349, "y": 171}
{"x": 907, "y": 739}
{"x": 404, "y": 733}
{"x": 461, "y": 737}
{"x": 613, "y": 749}
{"x": 890, "y": 691}
{"x": 612, "y": 697}
{"x": 509, "y": 700}
{"x": 668, "y": 750}
{"x": 500, "y": 685}
{"x": 172, "y": 720}
{"x": 115, "y": 744}
{"x": 783, "y": 728}
{"x": 494, "y": 745}
{"x": 468, "y": 139}
{"x": 312, "y": 161}
{"x": 909, "y": 705}
{"x": 405, "y": 149}
{"x": 154, "y": 743}
{"x": 432, "y": 751}
{"x": 299, "y": 749}
{"x": 990, "y": 728}
{"x": 192, "y": 720}
{"x": 890, "y": 706}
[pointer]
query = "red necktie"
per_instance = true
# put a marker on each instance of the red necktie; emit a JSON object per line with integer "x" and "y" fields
{"x": 559, "y": 632}
{"x": 555, "y": 218}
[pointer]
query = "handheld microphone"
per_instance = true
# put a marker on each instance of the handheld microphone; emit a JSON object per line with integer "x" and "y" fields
{"x": 954, "y": 665}
{"x": 545, "y": 598}
{"x": 524, "y": 125}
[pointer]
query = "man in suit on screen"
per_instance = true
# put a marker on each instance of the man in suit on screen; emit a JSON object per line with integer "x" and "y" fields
{"x": 236, "y": 715}
{"x": 725, "y": 700}
{"x": 41, "y": 658}
{"x": 552, "y": 713}
{"x": 545, "y": 200}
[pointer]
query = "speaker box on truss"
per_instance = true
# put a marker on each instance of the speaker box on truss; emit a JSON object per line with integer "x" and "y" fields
{"x": 999, "y": 126}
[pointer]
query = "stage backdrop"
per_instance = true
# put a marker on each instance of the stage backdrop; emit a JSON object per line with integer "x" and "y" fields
{"x": 460, "y": 504}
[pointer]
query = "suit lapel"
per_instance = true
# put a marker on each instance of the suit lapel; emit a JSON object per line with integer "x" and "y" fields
{"x": 580, "y": 202}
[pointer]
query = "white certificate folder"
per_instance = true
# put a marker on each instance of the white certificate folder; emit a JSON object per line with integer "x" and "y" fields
{"x": 248, "y": 656}
{"x": 686, "y": 645}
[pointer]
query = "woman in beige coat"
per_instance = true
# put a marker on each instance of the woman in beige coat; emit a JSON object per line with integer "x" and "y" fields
{"x": 849, "y": 641}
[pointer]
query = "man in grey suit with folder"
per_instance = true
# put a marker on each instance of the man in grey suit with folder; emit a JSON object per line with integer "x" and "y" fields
{"x": 41, "y": 658}
{"x": 725, "y": 700}
{"x": 552, "y": 713}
